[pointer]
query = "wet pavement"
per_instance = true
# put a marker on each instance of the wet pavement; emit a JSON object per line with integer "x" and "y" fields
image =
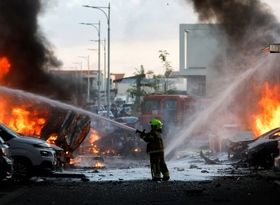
{"x": 189, "y": 167}
{"x": 126, "y": 181}
{"x": 221, "y": 190}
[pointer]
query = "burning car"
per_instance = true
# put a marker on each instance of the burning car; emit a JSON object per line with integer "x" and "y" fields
{"x": 66, "y": 129}
{"x": 55, "y": 124}
{"x": 257, "y": 152}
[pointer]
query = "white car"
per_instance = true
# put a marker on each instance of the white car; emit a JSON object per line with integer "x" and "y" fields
{"x": 30, "y": 155}
{"x": 104, "y": 114}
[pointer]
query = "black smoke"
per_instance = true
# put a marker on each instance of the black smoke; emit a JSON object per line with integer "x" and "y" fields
{"x": 28, "y": 51}
{"x": 249, "y": 26}
{"x": 239, "y": 18}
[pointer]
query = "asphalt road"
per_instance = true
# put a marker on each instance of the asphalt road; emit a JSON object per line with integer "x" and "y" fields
{"x": 222, "y": 190}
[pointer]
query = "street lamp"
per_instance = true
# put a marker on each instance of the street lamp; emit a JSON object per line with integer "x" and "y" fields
{"x": 88, "y": 81}
{"x": 98, "y": 75}
{"x": 104, "y": 64}
{"x": 102, "y": 9}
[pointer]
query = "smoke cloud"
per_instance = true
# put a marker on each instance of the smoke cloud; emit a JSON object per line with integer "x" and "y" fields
{"x": 249, "y": 24}
{"x": 248, "y": 27}
{"x": 28, "y": 51}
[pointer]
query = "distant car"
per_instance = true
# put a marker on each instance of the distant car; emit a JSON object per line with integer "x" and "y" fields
{"x": 6, "y": 165}
{"x": 95, "y": 109}
{"x": 125, "y": 110}
{"x": 104, "y": 114}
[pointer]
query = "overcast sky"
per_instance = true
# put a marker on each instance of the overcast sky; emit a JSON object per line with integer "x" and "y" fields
{"x": 139, "y": 29}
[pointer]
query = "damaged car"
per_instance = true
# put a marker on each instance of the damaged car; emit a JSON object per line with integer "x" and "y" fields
{"x": 258, "y": 152}
{"x": 6, "y": 166}
{"x": 243, "y": 149}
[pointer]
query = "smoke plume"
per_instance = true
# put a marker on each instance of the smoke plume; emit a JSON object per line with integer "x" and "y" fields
{"x": 239, "y": 18}
{"x": 248, "y": 27}
{"x": 28, "y": 51}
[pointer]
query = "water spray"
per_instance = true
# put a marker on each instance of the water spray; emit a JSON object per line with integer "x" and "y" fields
{"x": 40, "y": 99}
{"x": 205, "y": 116}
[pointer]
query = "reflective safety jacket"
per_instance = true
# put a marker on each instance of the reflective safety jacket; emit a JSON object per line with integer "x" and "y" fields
{"x": 154, "y": 141}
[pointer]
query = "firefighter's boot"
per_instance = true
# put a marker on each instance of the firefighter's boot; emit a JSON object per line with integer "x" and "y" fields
{"x": 166, "y": 176}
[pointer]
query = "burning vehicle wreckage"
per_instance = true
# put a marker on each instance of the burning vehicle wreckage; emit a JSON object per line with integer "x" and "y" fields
{"x": 75, "y": 134}
{"x": 245, "y": 150}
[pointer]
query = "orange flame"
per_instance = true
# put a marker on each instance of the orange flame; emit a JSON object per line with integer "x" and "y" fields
{"x": 99, "y": 165}
{"x": 52, "y": 139}
{"x": 93, "y": 136}
{"x": 4, "y": 67}
{"x": 23, "y": 122}
{"x": 269, "y": 110}
{"x": 19, "y": 118}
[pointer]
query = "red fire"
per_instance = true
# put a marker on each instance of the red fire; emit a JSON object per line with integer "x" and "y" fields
{"x": 24, "y": 119}
{"x": 93, "y": 137}
{"x": 21, "y": 117}
{"x": 268, "y": 116}
{"x": 4, "y": 67}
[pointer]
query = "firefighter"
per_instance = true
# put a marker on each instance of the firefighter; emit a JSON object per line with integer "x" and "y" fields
{"x": 156, "y": 150}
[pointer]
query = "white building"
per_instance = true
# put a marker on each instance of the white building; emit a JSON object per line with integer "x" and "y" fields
{"x": 122, "y": 86}
{"x": 199, "y": 46}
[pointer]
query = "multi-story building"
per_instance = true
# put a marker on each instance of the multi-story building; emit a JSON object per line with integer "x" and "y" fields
{"x": 200, "y": 44}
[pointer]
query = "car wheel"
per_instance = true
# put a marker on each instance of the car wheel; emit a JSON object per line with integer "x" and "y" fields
{"x": 22, "y": 170}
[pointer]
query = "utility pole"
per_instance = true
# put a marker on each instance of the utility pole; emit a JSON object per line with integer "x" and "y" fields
{"x": 98, "y": 74}
{"x": 107, "y": 14}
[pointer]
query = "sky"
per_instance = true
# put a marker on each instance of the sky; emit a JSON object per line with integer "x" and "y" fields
{"x": 139, "y": 29}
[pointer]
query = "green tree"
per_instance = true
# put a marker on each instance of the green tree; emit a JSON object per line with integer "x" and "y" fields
{"x": 138, "y": 90}
{"x": 163, "y": 54}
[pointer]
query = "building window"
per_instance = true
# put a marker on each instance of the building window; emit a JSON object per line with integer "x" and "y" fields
{"x": 151, "y": 105}
{"x": 186, "y": 50}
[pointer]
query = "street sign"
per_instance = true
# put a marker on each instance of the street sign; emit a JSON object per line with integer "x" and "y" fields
{"x": 274, "y": 48}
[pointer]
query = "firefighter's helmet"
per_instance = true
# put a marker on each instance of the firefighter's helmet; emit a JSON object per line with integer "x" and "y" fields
{"x": 156, "y": 123}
